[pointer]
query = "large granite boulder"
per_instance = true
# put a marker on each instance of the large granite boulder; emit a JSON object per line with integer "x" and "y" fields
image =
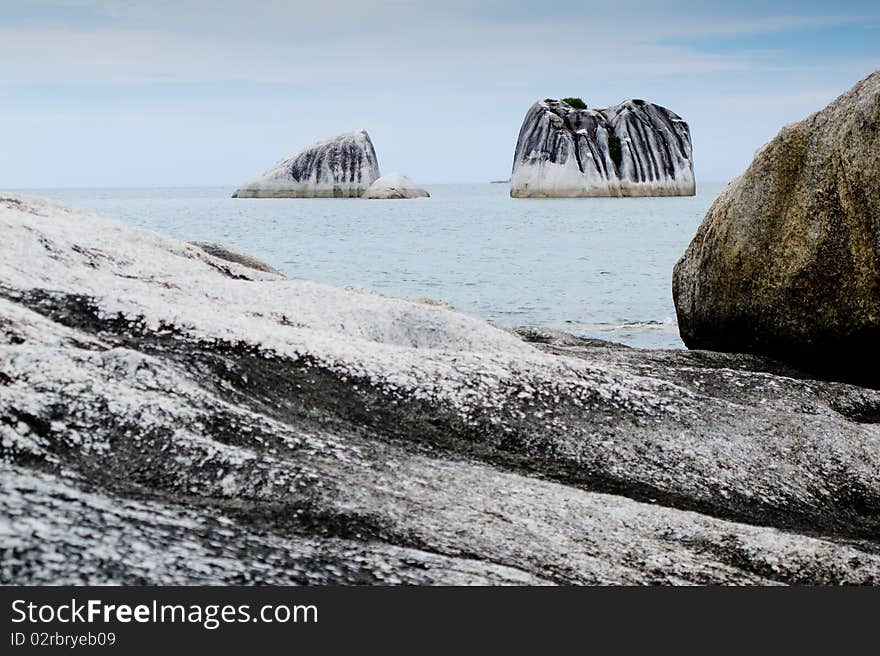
{"x": 787, "y": 260}
{"x": 167, "y": 420}
{"x": 635, "y": 148}
{"x": 395, "y": 185}
{"x": 341, "y": 167}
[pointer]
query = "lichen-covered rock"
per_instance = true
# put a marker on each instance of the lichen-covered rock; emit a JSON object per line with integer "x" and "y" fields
{"x": 635, "y": 148}
{"x": 395, "y": 185}
{"x": 167, "y": 420}
{"x": 787, "y": 260}
{"x": 341, "y": 167}
{"x": 232, "y": 254}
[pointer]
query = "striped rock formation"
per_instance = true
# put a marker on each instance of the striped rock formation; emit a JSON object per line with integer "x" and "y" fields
{"x": 341, "y": 167}
{"x": 635, "y": 148}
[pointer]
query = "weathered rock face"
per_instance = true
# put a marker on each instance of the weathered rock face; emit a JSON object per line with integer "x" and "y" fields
{"x": 787, "y": 260}
{"x": 168, "y": 417}
{"x": 394, "y": 185}
{"x": 341, "y": 167}
{"x": 232, "y": 254}
{"x": 635, "y": 148}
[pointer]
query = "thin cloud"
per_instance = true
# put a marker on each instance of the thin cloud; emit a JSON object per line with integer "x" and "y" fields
{"x": 137, "y": 56}
{"x": 96, "y": 81}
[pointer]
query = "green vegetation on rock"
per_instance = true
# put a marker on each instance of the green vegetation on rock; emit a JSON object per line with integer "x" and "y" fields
{"x": 615, "y": 149}
{"x": 577, "y": 103}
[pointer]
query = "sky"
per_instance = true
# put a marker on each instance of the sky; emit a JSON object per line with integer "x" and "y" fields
{"x": 104, "y": 93}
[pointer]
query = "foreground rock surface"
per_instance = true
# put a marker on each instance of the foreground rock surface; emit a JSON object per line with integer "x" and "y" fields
{"x": 395, "y": 186}
{"x": 787, "y": 260}
{"x": 635, "y": 148}
{"x": 341, "y": 167}
{"x": 168, "y": 417}
{"x": 231, "y": 254}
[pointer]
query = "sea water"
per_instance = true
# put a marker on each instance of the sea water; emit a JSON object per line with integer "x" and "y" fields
{"x": 596, "y": 267}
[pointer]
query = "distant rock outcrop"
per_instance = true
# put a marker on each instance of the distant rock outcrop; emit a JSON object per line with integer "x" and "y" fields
{"x": 787, "y": 260}
{"x": 395, "y": 185}
{"x": 635, "y": 148}
{"x": 341, "y": 167}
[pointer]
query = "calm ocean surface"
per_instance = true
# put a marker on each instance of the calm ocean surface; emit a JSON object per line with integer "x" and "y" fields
{"x": 598, "y": 267}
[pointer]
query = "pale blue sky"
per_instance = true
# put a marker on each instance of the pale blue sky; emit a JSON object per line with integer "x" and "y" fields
{"x": 192, "y": 92}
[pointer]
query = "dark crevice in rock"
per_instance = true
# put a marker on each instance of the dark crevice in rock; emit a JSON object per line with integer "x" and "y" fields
{"x": 38, "y": 425}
